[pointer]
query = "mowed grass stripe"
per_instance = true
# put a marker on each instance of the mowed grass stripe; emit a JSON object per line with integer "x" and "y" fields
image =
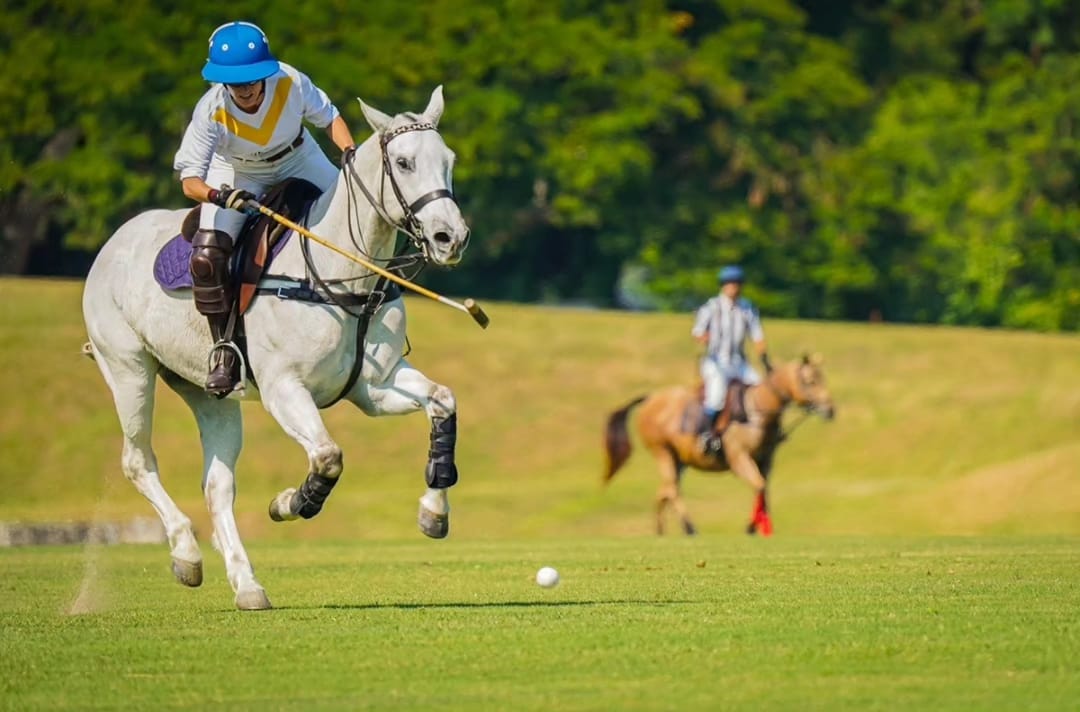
{"x": 637, "y": 623}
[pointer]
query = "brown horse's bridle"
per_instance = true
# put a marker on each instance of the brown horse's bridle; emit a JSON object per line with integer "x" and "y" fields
{"x": 807, "y": 409}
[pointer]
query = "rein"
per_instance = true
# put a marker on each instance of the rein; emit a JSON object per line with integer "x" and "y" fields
{"x": 384, "y": 290}
{"x": 784, "y": 401}
{"x": 785, "y": 434}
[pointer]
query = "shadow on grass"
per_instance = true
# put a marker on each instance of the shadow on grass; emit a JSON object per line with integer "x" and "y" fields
{"x": 489, "y": 604}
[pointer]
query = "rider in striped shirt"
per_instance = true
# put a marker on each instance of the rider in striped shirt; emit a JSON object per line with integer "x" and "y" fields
{"x": 723, "y": 323}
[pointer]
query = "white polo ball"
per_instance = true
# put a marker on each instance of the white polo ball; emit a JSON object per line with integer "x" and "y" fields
{"x": 547, "y": 577}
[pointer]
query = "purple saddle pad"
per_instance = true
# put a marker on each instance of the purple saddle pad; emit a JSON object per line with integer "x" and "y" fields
{"x": 171, "y": 266}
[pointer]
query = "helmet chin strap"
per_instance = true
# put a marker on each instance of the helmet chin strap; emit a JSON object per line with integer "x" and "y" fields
{"x": 256, "y": 101}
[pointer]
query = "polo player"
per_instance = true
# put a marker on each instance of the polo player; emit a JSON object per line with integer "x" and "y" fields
{"x": 246, "y": 132}
{"x": 723, "y": 323}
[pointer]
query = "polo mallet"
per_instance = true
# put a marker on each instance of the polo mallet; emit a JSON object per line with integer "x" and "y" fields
{"x": 470, "y": 306}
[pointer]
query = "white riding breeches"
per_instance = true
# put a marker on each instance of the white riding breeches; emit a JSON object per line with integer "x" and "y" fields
{"x": 308, "y": 162}
{"x": 717, "y": 376}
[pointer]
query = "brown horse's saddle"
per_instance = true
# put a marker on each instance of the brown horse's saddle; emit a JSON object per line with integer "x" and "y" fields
{"x": 692, "y": 417}
{"x": 735, "y": 402}
{"x": 693, "y": 420}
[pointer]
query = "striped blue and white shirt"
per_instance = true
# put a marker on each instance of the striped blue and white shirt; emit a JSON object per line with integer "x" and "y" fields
{"x": 727, "y": 325}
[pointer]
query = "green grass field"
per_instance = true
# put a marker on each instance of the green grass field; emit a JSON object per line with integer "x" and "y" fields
{"x": 927, "y": 552}
{"x": 637, "y": 623}
{"x": 938, "y": 431}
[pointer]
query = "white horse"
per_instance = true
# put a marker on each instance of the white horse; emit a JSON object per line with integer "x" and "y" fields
{"x": 300, "y": 354}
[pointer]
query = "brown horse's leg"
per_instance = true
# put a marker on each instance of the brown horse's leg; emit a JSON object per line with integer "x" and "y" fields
{"x": 744, "y": 466}
{"x": 680, "y": 506}
{"x": 760, "y": 518}
{"x": 668, "y": 492}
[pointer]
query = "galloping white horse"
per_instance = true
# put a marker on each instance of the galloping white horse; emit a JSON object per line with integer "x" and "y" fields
{"x": 300, "y": 354}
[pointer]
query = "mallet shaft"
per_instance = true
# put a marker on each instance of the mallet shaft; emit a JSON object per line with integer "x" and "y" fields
{"x": 470, "y": 307}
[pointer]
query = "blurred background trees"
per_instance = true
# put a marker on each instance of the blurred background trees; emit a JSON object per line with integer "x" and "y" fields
{"x": 900, "y": 159}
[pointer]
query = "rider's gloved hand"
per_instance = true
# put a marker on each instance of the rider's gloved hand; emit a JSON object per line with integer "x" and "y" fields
{"x": 231, "y": 198}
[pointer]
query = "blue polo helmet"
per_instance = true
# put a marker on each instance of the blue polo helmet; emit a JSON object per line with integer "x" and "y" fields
{"x": 730, "y": 273}
{"x": 239, "y": 54}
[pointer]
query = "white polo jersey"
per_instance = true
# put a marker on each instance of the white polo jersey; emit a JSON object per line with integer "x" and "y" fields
{"x": 727, "y": 325}
{"x": 219, "y": 126}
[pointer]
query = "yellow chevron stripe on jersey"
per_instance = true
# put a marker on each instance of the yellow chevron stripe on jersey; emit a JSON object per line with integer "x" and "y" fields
{"x": 258, "y": 134}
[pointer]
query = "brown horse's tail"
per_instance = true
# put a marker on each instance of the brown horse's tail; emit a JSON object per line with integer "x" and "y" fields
{"x": 617, "y": 439}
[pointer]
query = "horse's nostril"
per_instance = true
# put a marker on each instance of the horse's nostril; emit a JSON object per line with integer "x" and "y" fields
{"x": 442, "y": 238}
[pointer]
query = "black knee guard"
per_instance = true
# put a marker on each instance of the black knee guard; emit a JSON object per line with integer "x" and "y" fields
{"x": 210, "y": 272}
{"x": 308, "y": 500}
{"x": 441, "y": 472}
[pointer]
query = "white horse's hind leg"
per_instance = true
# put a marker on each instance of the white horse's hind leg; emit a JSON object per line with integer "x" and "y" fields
{"x": 406, "y": 391}
{"x": 293, "y": 408}
{"x": 221, "y": 433}
{"x": 130, "y": 374}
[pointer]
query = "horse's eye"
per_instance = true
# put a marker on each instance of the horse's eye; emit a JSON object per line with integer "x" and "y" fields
{"x": 403, "y": 164}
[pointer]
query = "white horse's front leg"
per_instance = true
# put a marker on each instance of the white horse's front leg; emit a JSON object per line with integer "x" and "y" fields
{"x": 294, "y": 409}
{"x": 407, "y": 390}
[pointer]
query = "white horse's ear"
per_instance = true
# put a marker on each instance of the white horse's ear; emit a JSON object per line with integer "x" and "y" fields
{"x": 434, "y": 109}
{"x": 377, "y": 119}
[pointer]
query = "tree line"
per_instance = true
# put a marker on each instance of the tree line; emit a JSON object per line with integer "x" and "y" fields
{"x": 904, "y": 160}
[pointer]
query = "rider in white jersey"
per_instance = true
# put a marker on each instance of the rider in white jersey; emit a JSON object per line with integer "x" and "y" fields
{"x": 246, "y": 134}
{"x": 723, "y": 324}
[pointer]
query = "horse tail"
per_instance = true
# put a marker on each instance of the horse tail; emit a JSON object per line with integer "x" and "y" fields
{"x": 617, "y": 439}
{"x": 88, "y": 351}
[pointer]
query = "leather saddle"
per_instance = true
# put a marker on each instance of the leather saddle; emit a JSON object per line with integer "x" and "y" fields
{"x": 734, "y": 410}
{"x": 735, "y": 402}
{"x": 261, "y": 237}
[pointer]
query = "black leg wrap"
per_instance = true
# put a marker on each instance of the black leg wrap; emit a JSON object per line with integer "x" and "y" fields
{"x": 308, "y": 500}
{"x": 441, "y": 472}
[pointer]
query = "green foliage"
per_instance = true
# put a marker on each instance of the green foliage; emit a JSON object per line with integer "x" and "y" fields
{"x": 914, "y": 160}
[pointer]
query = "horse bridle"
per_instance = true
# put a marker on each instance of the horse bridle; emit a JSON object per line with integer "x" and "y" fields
{"x": 410, "y": 224}
{"x": 807, "y": 409}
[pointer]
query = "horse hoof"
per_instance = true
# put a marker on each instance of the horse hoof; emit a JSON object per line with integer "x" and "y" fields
{"x": 253, "y": 599}
{"x": 436, "y": 526}
{"x": 187, "y": 572}
{"x": 280, "y": 510}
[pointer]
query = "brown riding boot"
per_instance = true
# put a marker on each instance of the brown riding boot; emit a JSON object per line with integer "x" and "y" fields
{"x": 213, "y": 299}
{"x": 224, "y": 367}
{"x": 714, "y": 445}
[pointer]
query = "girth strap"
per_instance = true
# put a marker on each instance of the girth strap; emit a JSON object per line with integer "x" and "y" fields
{"x": 386, "y": 291}
{"x": 303, "y": 291}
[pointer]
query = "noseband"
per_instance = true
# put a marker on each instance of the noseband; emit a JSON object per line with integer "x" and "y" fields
{"x": 410, "y": 224}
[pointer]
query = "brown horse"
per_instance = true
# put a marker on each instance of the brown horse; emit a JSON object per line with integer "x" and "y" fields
{"x": 668, "y": 422}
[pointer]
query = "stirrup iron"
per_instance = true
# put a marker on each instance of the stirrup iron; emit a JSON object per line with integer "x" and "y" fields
{"x": 239, "y": 388}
